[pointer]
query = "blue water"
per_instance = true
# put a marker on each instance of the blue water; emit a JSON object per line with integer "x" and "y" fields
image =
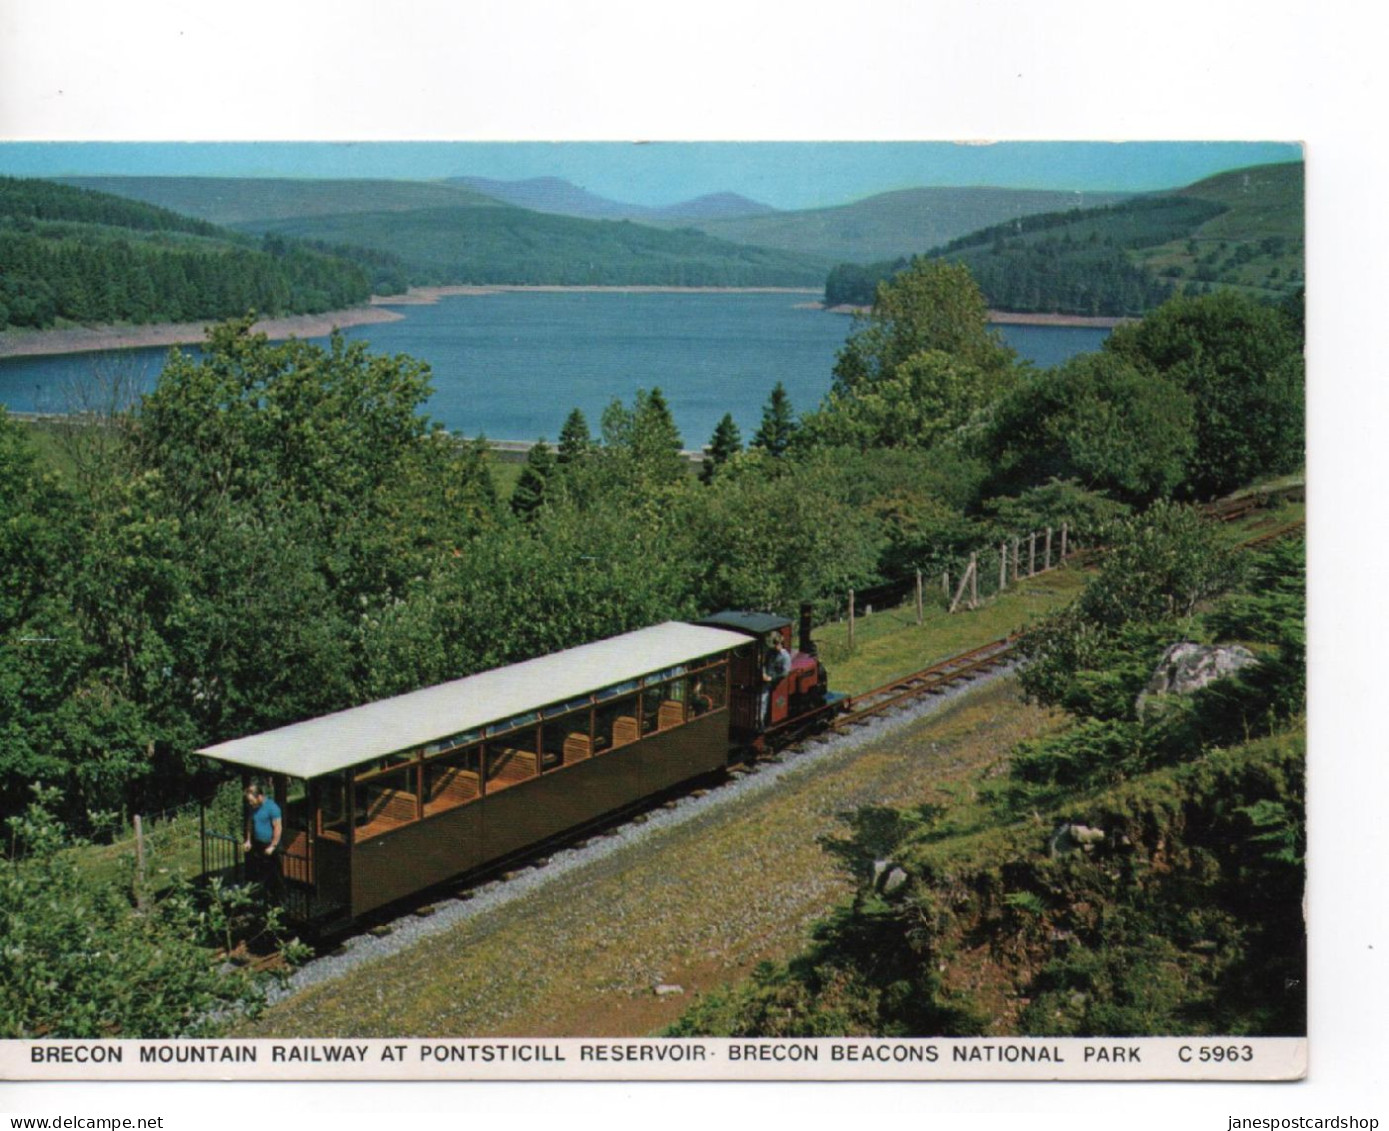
{"x": 513, "y": 365}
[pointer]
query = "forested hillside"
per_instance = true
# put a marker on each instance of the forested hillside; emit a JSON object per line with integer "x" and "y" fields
{"x": 896, "y": 224}
{"x": 500, "y": 244}
{"x": 1241, "y": 229}
{"x": 70, "y": 254}
{"x": 231, "y": 201}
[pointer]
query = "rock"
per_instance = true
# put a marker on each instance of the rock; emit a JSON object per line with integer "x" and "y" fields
{"x": 1186, "y": 667}
{"x": 426, "y": 910}
{"x": 889, "y": 877}
{"x": 382, "y": 931}
{"x": 1070, "y": 838}
{"x": 666, "y": 989}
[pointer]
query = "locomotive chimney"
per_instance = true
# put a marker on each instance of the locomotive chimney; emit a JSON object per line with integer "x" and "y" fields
{"x": 807, "y": 645}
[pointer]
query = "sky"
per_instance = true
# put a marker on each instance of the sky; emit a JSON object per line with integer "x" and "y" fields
{"x": 786, "y": 175}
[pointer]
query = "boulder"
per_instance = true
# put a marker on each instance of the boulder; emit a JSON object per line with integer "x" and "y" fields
{"x": 1186, "y": 667}
{"x": 889, "y": 877}
{"x": 667, "y": 989}
{"x": 1070, "y": 838}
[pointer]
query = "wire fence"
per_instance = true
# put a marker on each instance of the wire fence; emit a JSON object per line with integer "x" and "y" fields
{"x": 965, "y": 581}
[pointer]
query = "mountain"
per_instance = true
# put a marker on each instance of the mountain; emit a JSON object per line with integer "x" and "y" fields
{"x": 69, "y": 254}
{"x": 560, "y": 197}
{"x": 551, "y": 195}
{"x": 243, "y": 201}
{"x": 714, "y": 206}
{"x": 1256, "y": 242}
{"x": 502, "y": 244}
{"x": 1242, "y": 229}
{"x": 902, "y": 223}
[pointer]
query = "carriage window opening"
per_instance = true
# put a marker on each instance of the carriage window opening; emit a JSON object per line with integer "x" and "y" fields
{"x": 512, "y": 759}
{"x": 392, "y": 762}
{"x": 615, "y": 724}
{"x": 385, "y": 801}
{"x": 296, "y": 807}
{"x": 512, "y": 723}
{"x": 566, "y": 740}
{"x": 452, "y": 780}
{"x": 332, "y": 806}
{"x": 616, "y": 689}
{"x": 662, "y": 706}
{"x": 663, "y": 676}
{"x": 708, "y": 690}
{"x": 564, "y": 708}
{"x": 452, "y": 742}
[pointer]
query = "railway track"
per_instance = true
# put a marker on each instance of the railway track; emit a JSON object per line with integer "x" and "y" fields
{"x": 840, "y": 716}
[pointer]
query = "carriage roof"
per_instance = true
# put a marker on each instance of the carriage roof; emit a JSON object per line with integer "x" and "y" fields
{"x": 347, "y": 738}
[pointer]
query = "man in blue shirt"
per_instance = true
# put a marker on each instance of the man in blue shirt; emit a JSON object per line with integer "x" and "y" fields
{"x": 264, "y": 827}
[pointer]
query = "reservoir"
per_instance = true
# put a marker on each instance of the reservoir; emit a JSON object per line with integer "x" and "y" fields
{"x": 512, "y": 365}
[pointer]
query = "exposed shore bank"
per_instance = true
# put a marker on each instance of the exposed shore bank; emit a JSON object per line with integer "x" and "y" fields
{"x": 427, "y": 296}
{"x": 1009, "y": 317}
{"x": 91, "y": 339}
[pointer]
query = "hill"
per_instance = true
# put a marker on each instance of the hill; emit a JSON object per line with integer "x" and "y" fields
{"x": 502, "y": 244}
{"x": 561, "y": 197}
{"x": 245, "y": 200}
{"x": 1242, "y": 229}
{"x": 889, "y": 225}
{"x": 76, "y": 255}
{"x": 1256, "y": 243}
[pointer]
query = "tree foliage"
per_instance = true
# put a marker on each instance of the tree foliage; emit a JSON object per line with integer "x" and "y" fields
{"x": 1096, "y": 419}
{"x": 80, "y": 961}
{"x": 918, "y": 366}
{"x": 725, "y": 443}
{"x": 777, "y": 431}
{"x": 1242, "y": 364}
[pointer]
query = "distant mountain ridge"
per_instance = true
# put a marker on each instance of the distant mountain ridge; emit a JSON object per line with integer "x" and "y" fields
{"x": 901, "y": 223}
{"x": 242, "y": 201}
{"x": 563, "y": 198}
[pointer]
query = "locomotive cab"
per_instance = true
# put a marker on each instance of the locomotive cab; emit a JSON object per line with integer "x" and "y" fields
{"x": 765, "y": 692}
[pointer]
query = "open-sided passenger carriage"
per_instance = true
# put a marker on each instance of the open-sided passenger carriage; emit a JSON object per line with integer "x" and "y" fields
{"x": 385, "y": 800}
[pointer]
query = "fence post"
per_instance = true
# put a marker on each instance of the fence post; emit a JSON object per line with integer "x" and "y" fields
{"x": 1032, "y": 554}
{"x": 974, "y": 581}
{"x": 139, "y": 863}
{"x": 920, "y": 614}
{"x": 1048, "y": 558}
{"x": 945, "y": 584}
{"x": 851, "y": 620}
{"x": 960, "y": 592}
{"x": 1017, "y": 560}
{"x": 1002, "y": 566}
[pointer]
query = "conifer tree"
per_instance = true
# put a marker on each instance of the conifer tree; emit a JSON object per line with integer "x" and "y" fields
{"x": 725, "y": 443}
{"x": 529, "y": 493}
{"x": 575, "y": 440}
{"x": 778, "y": 423}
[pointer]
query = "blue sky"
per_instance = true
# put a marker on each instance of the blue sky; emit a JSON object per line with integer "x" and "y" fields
{"x": 782, "y": 174}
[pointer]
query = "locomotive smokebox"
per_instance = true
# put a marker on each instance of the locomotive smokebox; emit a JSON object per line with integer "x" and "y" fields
{"x": 807, "y": 645}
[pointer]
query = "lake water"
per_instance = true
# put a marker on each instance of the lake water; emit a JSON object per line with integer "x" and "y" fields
{"x": 512, "y": 365}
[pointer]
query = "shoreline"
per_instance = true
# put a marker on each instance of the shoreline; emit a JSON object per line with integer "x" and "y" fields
{"x": 428, "y": 296}
{"x": 1009, "y": 317}
{"x": 97, "y": 339}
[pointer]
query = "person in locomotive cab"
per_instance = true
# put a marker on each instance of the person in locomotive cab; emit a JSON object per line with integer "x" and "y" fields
{"x": 264, "y": 828}
{"x": 775, "y": 667}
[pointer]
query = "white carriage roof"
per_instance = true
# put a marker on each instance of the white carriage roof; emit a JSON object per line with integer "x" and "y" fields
{"x": 359, "y": 734}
